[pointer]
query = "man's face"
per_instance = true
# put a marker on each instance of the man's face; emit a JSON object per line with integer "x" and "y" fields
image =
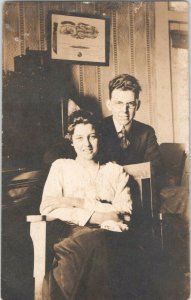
{"x": 123, "y": 106}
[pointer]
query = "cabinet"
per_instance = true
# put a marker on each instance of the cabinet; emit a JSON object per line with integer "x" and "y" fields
{"x": 32, "y": 97}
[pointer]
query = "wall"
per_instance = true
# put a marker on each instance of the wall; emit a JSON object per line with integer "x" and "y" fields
{"x": 131, "y": 46}
{"x": 136, "y": 45}
{"x": 172, "y": 99}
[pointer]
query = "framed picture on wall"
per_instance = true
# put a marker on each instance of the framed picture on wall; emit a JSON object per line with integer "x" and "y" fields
{"x": 82, "y": 39}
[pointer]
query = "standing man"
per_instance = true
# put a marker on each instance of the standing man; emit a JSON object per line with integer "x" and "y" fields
{"x": 126, "y": 140}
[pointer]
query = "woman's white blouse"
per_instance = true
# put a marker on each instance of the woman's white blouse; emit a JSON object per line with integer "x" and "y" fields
{"x": 67, "y": 178}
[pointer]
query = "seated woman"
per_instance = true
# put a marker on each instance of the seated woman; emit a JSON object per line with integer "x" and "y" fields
{"x": 91, "y": 197}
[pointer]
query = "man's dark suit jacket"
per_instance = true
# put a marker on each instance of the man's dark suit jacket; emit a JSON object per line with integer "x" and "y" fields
{"x": 143, "y": 144}
{"x": 143, "y": 147}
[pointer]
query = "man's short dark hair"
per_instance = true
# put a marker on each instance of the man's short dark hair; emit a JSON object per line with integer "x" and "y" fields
{"x": 125, "y": 82}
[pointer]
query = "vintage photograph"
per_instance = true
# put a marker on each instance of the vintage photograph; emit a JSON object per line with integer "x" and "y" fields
{"x": 95, "y": 150}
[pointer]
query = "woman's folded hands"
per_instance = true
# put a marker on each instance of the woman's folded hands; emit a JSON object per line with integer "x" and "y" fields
{"x": 110, "y": 219}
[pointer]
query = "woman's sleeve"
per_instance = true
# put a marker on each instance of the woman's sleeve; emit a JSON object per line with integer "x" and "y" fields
{"x": 53, "y": 195}
{"x": 122, "y": 200}
{"x": 52, "y": 190}
{"x": 114, "y": 190}
{"x": 104, "y": 207}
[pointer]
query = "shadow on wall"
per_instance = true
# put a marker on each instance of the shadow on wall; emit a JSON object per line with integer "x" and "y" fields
{"x": 32, "y": 106}
{"x": 87, "y": 102}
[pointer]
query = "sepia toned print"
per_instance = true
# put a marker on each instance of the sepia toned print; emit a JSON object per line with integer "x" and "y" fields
{"x": 95, "y": 155}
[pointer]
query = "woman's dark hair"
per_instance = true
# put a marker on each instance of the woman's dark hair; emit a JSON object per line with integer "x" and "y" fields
{"x": 81, "y": 117}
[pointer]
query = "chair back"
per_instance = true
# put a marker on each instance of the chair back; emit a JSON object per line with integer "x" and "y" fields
{"x": 143, "y": 219}
{"x": 141, "y": 173}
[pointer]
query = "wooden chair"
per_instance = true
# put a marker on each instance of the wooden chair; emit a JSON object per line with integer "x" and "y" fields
{"x": 173, "y": 156}
{"x": 142, "y": 176}
{"x": 173, "y": 196}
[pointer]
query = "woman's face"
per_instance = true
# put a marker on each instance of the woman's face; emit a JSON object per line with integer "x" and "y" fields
{"x": 85, "y": 141}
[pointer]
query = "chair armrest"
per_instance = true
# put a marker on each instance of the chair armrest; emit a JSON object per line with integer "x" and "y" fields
{"x": 38, "y": 236}
{"x": 35, "y": 218}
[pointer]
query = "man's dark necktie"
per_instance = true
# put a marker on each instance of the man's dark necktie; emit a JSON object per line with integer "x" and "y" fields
{"x": 124, "y": 142}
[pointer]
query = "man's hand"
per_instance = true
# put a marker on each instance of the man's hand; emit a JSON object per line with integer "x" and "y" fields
{"x": 124, "y": 217}
{"x": 98, "y": 217}
{"x": 114, "y": 226}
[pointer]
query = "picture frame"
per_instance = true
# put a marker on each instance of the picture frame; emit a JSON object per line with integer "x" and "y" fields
{"x": 79, "y": 38}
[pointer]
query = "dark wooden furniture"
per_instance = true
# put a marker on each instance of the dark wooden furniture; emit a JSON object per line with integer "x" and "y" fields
{"x": 21, "y": 195}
